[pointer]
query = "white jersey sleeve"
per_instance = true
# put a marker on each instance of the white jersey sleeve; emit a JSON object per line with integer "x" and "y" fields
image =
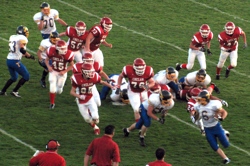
{"x": 160, "y": 77}
{"x": 14, "y": 46}
{"x": 44, "y": 45}
{"x": 124, "y": 85}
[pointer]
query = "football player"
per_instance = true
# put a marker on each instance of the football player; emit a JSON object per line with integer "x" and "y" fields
{"x": 169, "y": 77}
{"x": 97, "y": 36}
{"x": 41, "y": 53}
{"x": 82, "y": 85}
{"x": 17, "y": 49}
{"x": 140, "y": 78}
{"x": 77, "y": 37}
{"x": 228, "y": 40}
{"x": 211, "y": 113}
{"x": 156, "y": 103}
{"x": 88, "y": 58}
{"x": 197, "y": 78}
{"x": 116, "y": 98}
{"x": 45, "y": 20}
{"x": 199, "y": 44}
{"x": 62, "y": 61}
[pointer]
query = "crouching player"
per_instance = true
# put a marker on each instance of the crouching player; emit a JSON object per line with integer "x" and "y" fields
{"x": 156, "y": 103}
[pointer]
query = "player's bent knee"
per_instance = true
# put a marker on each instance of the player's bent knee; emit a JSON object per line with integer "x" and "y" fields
{"x": 88, "y": 120}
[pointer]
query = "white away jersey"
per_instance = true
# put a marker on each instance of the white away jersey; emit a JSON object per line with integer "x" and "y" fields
{"x": 207, "y": 112}
{"x": 49, "y": 21}
{"x": 45, "y": 43}
{"x": 161, "y": 78}
{"x": 14, "y": 47}
{"x": 190, "y": 79}
{"x": 154, "y": 99}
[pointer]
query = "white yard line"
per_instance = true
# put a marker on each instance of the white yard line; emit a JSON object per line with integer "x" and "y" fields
{"x": 147, "y": 36}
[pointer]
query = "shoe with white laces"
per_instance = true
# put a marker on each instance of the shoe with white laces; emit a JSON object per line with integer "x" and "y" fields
{"x": 3, "y": 93}
{"x": 226, "y": 161}
{"x": 52, "y": 106}
{"x": 16, "y": 94}
{"x": 178, "y": 67}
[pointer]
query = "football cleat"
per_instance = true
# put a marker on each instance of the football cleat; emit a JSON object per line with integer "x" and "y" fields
{"x": 141, "y": 140}
{"x": 43, "y": 83}
{"x": 16, "y": 94}
{"x": 217, "y": 77}
{"x": 227, "y": 73}
{"x": 126, "y": 133}
{"x": 3, "y": 93}
{"x": 52, "y": 106}
{"x": 178, "y": 67}
{"x": 226, "y": 161}
{"x": 216, "y": 89}
{"x": 97, "y": 131}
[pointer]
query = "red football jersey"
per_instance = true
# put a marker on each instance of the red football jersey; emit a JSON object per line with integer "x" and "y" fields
{"x": 100, "y": 36}
{"x": 230, "y": 41}
{"x": 85, "y": 85}
{"x": 136, "y": 82}
{"x": 190, "y": 104}
{"x": 77, "y": 67}
{"x": 199, "y": 41}
{"x": 75, "y": 42}
{"x": 59, "y": 62}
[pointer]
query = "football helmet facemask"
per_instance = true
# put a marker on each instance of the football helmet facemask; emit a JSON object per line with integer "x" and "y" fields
{"x": 203, "y": 97}
{"x": 88, "y": 58}
{"x": 80, "y": 28}
{"x": 229, "y": 28}
{"x": 45, "y": 8}
{"x": 22, "y": 30}
{"x": 165, "y": 97}
{"x": 139, "y": 66}
{"x": 171, "y": 73}
{"x": 124, "y": 96}
{"x": 201, "y": 75}
{"x": 204, "y": 30}
{"x": 106, "y": 23}
{"x": 87, "y": 70}
{"x": 53, "y": 37}
{"x": 61, "y": 47}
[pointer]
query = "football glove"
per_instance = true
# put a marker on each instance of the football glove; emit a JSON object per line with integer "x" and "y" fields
{"x": 31, "y": 57}
{"x": 245, "y": 45}
{"x": 202, "y": 49}
{"x": 223, "y": 102}
{"x": 117, "y": 92}
{"x": 209, "y": 52}
{"x": 161, "y": 120}
{"x": 42, "y": 17}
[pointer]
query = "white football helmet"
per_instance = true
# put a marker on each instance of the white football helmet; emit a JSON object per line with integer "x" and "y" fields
{"x": 229, "y": 28}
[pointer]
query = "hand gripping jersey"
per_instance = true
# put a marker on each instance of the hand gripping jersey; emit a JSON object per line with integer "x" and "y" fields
{"x": 59, "y": 62}
{"x": 136, "y": 82}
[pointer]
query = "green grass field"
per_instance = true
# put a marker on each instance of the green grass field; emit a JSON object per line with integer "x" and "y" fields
{"x": 160, "y": 33}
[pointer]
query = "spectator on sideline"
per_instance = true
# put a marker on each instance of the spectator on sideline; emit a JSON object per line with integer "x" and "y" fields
{"x": 17, "y": 49}
{"x": 160, "y": 154}
{"x": 48, "y": 158}
{"x": 104, "y": 150}
{"x": 46, "y": 20}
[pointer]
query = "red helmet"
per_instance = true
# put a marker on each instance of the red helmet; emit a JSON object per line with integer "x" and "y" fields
{"x": 88, "y": 58}
{"x": 155, "y": 89}
{"x": 87, "y": 70}
{"x": 80, "y": 28}
{"x": 229, "y": 28}
{"x": 193, "y": 93}
{"x": 61, "y": 47}
{"x": 139, "y": 66}
{"x": 106, "y": 23}
{"x": 204, "y": 30}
